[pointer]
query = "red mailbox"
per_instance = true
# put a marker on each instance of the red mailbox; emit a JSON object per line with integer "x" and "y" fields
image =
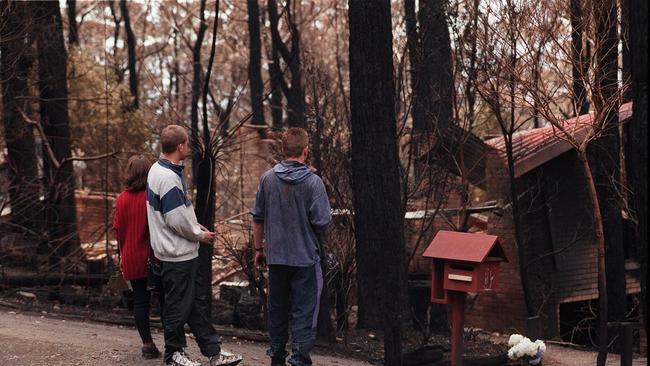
{"x": 463, "y": 262}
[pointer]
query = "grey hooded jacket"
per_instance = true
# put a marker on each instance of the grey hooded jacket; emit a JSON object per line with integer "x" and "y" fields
{"x": 292, "y": 203}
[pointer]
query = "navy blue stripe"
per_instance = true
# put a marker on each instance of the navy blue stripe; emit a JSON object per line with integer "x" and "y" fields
{"x": 169, "y": 201}
{"x": 153, "y": 199}
{"x": 172, "y": 199}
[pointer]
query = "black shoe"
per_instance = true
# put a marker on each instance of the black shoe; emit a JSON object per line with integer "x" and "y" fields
{"x": 150, "y": 352}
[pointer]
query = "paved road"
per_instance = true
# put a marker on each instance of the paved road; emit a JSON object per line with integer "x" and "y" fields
{"x": 33, "y": 340}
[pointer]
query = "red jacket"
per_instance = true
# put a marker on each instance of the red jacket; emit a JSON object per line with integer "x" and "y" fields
{"x": 130, "y": 225}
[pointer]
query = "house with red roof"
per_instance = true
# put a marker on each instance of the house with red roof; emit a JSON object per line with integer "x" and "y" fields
{"x": 557, "y": 232}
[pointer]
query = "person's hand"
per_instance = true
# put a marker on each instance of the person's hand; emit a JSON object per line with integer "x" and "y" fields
{"x": 260, "y": 259}
{"x": 208, "y": 237}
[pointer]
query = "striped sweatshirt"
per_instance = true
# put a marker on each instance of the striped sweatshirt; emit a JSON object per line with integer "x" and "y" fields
{"x": 173, "y": 228}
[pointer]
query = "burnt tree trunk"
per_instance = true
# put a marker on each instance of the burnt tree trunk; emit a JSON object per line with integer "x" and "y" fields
{"x": 130, "y": 43}
{"x": 196, "y": 94}
{"x": 580, "y": 63}
{"x": 59, "y": 182}
{"x": 606, "y": 166}
{"x": 73, "y": 28}
{"x": 273, "y": 64}
{"x": 436, "y": 68}
{"x": 203, "y": 162}
{"x": 293, "y": 92}
{"x": 419, "y": 90}
{"x": 429, "y": 48}
{"x": 117, "y": 67}
{"x": 16, "y": 60}
{"x": 254, "y": 63}
{"x": 378, "y": 207}
{"x": 275, "y": 99}
{"x": 637, "y": 170}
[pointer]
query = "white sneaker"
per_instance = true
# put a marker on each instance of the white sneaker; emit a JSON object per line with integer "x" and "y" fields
{"x": 181, "y": 359}
{"x": 225, "y": 359}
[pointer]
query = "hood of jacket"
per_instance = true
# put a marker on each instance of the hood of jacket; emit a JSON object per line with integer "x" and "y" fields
{"x": 291, "y": 172}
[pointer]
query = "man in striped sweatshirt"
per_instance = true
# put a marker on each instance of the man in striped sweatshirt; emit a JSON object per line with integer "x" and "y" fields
{"x": 175, "y": 235}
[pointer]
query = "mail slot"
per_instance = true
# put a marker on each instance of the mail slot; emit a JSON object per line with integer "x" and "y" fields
{"x": 463, "y": 262}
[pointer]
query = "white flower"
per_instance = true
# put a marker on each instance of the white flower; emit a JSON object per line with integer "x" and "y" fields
{"x": 528, "y": 348}
{"x": 540, "y": 344}
{"x": 523, "y": 347}
{"x": 514, "y": 339}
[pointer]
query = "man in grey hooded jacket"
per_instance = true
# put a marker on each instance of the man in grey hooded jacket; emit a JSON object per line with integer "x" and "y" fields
{"x": 291, "y": 208}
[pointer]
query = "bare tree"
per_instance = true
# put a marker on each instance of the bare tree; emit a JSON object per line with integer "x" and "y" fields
{"x": 499, "y": 91}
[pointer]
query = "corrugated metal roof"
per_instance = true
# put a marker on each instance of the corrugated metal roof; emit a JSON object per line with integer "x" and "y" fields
{"x": 533, "y": 148}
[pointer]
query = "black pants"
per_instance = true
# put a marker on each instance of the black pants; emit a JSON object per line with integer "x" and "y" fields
{"x": 142, "y": 306}
{"x": 183, "y": 305}
{"x": 294, "y": 295}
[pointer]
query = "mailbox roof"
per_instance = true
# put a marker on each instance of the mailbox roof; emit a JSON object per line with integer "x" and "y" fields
{"x": 466, "y": 247}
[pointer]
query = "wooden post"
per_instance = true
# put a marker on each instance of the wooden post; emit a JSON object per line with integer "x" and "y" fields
{"x": 626, "y": 343}
{"x": 457, "y": 302}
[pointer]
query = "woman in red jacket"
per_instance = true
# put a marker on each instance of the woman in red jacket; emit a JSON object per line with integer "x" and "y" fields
{"x": 132, "y": 231}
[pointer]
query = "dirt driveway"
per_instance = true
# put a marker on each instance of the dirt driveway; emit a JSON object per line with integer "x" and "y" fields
{"x": 33, "y": 340}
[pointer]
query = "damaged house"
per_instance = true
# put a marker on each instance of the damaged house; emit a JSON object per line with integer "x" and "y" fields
{"x": 557, "y": 235}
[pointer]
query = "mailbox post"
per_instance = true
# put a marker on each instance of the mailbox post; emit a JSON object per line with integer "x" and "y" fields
{"x": 462, "y": 263}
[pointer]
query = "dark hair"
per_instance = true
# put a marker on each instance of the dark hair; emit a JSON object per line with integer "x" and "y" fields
{"x": 171, "y": 137}
{"x": 294, "y": 140}
{"x": 137, "y": 169}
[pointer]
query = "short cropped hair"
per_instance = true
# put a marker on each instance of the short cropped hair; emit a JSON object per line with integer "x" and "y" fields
{"x": 137, "y": 169}
{"x": 294, "y": 140}
{"x": 171, "y": 137}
